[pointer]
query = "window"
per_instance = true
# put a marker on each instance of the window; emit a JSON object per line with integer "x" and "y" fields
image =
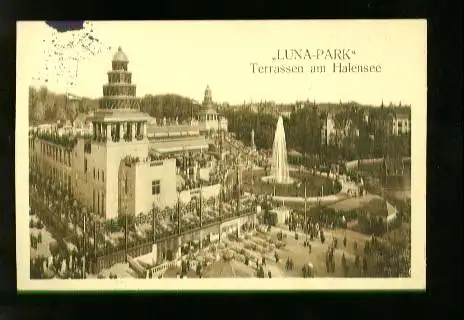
{"x": 103, "y": 176}
{"x": 98, "y": 174}
{"x": 125, "y": 185}
{"x": 94, "y": 175}
{"x": 155, "y": 187}
{"x": 85, "y": 165}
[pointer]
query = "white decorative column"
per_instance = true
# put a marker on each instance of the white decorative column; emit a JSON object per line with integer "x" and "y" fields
{"x": 121, "y": 131}
{"x": 179, "y": 246}
{"x": 154, "y": 253}
{"x": 109, "y": 128}
{"x": 133, "y": 129}
{"x": 144, "y": 130}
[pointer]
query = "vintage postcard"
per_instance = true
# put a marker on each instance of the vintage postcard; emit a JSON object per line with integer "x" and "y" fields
{"x": 214, "y": 155}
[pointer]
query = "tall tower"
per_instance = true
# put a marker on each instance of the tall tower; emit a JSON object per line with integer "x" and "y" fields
{"x": 208, "y": 99}
{"x": 119, "y": 118}
{"x": 208, "y": 116}
{"x": 119, "y": 133}
{"x": 119, "y": 93}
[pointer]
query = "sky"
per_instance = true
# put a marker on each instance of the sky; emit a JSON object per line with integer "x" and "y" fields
{"x": 183, "y": 57}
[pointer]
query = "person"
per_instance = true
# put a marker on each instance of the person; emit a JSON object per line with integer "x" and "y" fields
{"x": 261, "y": 272}
{"x": 344, "y": 241}
{"x": 327, "y": 263}
{"x": 356, "y": 261}
{"x": 355, "y": 244}
{"x": 310, "y": 248}
{"x": 263, "y": 261}
{"x": 364, "y": 265}
{"x": 269, "y": 274}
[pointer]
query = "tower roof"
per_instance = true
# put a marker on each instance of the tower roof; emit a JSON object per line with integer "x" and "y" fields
{"x": 120, "y": 56}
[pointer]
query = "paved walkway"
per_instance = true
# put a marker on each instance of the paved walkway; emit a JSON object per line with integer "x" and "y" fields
{"x": 342, "y": 194}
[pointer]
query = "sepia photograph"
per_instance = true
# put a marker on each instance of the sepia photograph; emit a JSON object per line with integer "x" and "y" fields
{"x": 213, "y": 155}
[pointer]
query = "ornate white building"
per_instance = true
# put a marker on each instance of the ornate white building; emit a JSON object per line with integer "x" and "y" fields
{"x": 209, "y": 119}
{"x": 110, "y": 172}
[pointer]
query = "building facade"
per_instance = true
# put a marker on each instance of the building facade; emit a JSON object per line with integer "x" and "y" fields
{"x": 111, "y": 171}
{"x": 400, "y": 123}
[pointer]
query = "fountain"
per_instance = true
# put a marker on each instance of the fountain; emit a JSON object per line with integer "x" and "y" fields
{"x": 279, "y": 164}
{"x": 282, "y": 183}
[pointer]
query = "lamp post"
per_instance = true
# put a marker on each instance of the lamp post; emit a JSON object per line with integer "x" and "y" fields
{"x": 305, "y": 205}
{"x": 153, "y": 226}
{"x": 84, "y": 245}
{"x": 178, "y": 213}
{"x": 95, "y": 241}
{"x": 125, "y": 235}
{"x": 201, "y": 216}
{"x": 238, "y": 189}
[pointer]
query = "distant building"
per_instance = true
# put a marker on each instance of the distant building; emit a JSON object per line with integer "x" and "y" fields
{"x": 176, "y": 139}
{"x": 400, "y": 123}
{"x": 328, "y": 129}
{"x": 330, "y": 134}
{"x": 209, "y": 119}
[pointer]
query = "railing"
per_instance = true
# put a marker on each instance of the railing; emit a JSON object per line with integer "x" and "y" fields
{"x": 120, "y": 256}
{"x": 108, "y": 259}
{"x": 163, "y": 267}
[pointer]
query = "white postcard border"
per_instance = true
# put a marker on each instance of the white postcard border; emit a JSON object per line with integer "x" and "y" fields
{"x": 418, "y": 215}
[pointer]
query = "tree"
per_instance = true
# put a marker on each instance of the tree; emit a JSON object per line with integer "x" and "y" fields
{"x": 38, "y": 112}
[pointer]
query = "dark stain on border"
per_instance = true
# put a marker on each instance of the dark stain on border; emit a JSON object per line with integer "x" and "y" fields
{"x": 64, "y": 26}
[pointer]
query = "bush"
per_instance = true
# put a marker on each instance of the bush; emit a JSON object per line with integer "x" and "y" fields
{"x": 31, "y": 224}
{"x": 39, "y": 225}
{"x": 130, "y": 221}
{"x": 112, "y": 226}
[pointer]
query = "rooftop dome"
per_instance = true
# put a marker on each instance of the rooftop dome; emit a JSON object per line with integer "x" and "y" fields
{"x": 120, "y": 56}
